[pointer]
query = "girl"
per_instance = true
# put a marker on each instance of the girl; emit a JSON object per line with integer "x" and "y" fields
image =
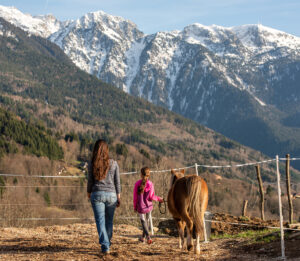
{"x": 143, "y": 195}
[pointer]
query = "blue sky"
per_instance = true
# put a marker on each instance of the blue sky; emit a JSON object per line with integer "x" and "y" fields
{"x": 165, "y": 15}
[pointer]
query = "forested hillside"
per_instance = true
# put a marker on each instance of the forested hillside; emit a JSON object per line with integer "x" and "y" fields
{"x": 52, "y": 110}
{"x": 35, "y": 139}
{"x": 241, "y": 81}
{"x": 35, "y": 68}
{"x": 41, "y": 85}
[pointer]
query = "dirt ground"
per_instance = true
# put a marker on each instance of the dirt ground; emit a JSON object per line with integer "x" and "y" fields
{"x": 79, "y": 242}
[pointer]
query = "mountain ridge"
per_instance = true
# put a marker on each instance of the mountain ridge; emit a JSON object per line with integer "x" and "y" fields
{"x": 240, "y": 81}
{"x": 129, "y": 39}
{"x": 40, "y": 83}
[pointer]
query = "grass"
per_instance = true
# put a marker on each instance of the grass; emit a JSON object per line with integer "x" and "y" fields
{"x": 244, "y": 218}
{"x": 73, "y": 170}
{"x": 254, "y": 236}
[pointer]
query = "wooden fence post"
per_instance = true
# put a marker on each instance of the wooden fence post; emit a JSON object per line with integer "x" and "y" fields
{"x": 288, "y": 188}
{"x": 244, "y": 212}
{"x": 280, "y": 210}
{"x": 196, "y": 168}
{"x": 262, "y": 198}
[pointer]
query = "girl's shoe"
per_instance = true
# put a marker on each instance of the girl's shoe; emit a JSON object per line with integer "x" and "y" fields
{"x": 149, "y": 241}
{"x": 142, "y": 239}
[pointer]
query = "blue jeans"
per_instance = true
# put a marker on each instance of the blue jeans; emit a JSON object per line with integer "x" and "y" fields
{"x": 104, "y": 204}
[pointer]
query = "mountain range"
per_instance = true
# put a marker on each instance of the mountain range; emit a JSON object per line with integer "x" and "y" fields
{"x": 53, "y": 100}
{"x": 240, "y": 81}
{"x": 51, "y": 113}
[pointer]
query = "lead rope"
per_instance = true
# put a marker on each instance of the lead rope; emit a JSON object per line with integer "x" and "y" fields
{"x": 164, "y": 210}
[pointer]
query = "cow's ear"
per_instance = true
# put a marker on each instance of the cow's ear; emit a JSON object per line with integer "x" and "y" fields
{"x": 182, "y": 171}
{"x": 173, "y": 172}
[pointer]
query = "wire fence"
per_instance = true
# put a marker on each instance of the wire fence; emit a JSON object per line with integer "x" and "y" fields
{"x": 161, "y": 171}
{"x": 196, "y": 166}
{"x": 157, "y": 218}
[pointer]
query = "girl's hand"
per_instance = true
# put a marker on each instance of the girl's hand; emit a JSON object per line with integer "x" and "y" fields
{"x": 89, "y": 195}
{"x": 161, "y": 200}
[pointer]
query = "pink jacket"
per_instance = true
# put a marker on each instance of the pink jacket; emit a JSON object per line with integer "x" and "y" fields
{"x": 143, "y": 202}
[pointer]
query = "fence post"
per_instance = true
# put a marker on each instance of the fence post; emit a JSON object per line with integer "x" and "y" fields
{"x": 204, "y": 229}
{"x": 244, "y": 212}
{"x": 288, "y": 187}
{"x": 280, "y": 209}
{"x": 262, "y": 198}
{"x": 196, "y": 168}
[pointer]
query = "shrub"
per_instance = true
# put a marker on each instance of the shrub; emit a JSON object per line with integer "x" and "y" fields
{"x": 227, "y": 144}
{"x": 145, "y": 153}
{"x": 2, "y": 186}
{"x": 47, "y": 198}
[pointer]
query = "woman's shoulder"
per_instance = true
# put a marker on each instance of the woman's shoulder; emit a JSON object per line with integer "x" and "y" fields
{"x": 113, "y": 162}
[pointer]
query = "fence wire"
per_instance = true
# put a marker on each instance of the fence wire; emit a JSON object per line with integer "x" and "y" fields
{"x": 128, "y": 173}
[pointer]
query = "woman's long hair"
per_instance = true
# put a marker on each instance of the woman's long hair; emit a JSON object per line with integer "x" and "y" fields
{"x": 145, "y": 171}
{"x": 100, "y": 160}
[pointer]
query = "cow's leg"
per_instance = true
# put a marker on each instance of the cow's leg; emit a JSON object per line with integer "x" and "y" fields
{"x": 180, "y": 226}
{"x": 189, "y": 227}
{"x": 199, "y": 230}
{"x": 197, "y": 249}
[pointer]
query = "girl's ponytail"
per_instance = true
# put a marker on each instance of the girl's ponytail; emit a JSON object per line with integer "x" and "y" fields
{"x": 145, "y": 171}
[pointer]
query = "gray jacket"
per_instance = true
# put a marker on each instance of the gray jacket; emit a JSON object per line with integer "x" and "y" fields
{"x": 111, "y": 183}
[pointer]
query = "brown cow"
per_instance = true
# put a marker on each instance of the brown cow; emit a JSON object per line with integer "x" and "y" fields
{"x": 187, "y": 202}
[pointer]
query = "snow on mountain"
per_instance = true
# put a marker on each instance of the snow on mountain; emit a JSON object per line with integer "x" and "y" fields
{"x": 133, "y": 55}
{"x": 41, "y": 25}
{"x": 182, "y": 70}
{"x": 7, "y": 33}
{"x": 259, "y": 36}
{"x": 97, "y": 43}
{"x": 241, "y": 81}
{"x": 113, "y": 48}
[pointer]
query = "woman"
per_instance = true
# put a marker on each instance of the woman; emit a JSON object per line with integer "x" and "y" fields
{"x": 104, "y": 191}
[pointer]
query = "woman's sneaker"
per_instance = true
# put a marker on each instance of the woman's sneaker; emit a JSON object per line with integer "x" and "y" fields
{"x": 142, "y": 239}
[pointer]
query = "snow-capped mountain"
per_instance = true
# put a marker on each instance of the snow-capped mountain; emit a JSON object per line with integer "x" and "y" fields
{"x": 97, "y": 43}
{"x": 43, "y": 26}
{"x": 230, "y": 79}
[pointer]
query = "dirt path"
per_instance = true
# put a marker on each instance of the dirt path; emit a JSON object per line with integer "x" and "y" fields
{"x": 79, "y": 242}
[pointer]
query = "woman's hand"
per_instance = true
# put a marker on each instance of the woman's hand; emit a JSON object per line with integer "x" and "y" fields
{"x": 89, "y": 195}
{"x": 118, "y": 200}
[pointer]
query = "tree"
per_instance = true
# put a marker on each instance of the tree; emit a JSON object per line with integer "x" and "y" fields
{"x": 121, "y": 149}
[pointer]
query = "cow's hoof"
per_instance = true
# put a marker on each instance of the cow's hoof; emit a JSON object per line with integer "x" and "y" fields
{"x": 190, "y": 247}
{"x": 197, "y": 251}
